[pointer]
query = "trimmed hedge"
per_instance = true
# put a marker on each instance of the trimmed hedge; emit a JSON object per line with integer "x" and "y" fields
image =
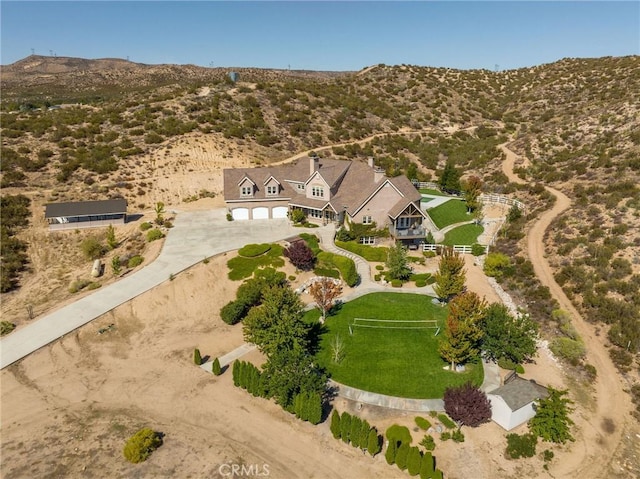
{"x": 253, "y": 250}
{"x": 446, "y": 421}
{"x": 345, "y": 265}
{"x": 398, "y": 434}
{"x": 422, "y": 423}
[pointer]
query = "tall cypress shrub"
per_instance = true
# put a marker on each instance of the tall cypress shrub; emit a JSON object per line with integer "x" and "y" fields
{"x": 373, "y": 442}
{"x": 235, "y": 372}
{"x": 402, "y": 456}
{"x": 314, "y": 408}
{"x": 345, "y": 426}
{"x": 426, "y": 466}
{"x": 215, "y": 367}
{"x": 414, "y": 461}
{"x": 354, "y": 435}
{"x": 365, "y": 427}
{"x": 390, "y": 453}
{"x": 335, "y": 424}
{"x": 197, "y": 358}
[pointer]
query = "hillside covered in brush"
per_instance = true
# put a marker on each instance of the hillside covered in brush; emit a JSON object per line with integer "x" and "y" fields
{"x": 86, "y": 123}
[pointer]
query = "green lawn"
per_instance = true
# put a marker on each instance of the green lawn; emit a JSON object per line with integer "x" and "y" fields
{"x": 242, "y": 267}
{"x": 429, "y": 191}
{"x": 463, "y": 235}
{"x": 396, "y": 362}
{"x": 453, "y": 211}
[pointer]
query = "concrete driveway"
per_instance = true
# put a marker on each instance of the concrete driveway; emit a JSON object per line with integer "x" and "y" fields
{"x": 195, "y": 235}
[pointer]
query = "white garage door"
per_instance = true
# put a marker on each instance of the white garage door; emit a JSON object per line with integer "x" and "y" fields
{"x": 240, "y": 213}
{"x": 260, "y": 213}
{"x": 279, "y": 212}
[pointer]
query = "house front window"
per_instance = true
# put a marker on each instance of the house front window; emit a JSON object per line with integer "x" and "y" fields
{"x": 272, "y": 190}
{"x": 317, "y": 191}
{"x": 403, "y": 223}
{"x": 366, "y": 220}
{"x": 367, "y": 240}
{"x": 246, "y": 191}
{"x": 315, "y": 213}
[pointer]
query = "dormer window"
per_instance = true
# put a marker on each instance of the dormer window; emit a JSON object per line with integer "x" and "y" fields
{"x": 317, "y": 192}
{"x": 272, "y": 190}
{"x": 246, "y": 191}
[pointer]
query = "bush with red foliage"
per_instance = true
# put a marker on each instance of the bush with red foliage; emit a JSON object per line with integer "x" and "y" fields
{"x": 467, "y": 405}
{"x": 300, "y": 255}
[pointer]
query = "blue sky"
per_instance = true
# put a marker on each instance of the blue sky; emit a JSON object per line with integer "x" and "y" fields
{"x": 327, "y": 35}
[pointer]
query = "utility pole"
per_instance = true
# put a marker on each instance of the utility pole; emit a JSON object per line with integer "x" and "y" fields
{"x": 33, "y": 52}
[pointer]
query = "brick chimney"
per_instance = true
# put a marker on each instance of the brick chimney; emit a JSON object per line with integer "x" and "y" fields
{"x": 313, "y": 165}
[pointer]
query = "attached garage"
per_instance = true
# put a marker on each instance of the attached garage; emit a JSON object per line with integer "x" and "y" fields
{"x": 260, "y": 213}
{"x": 240, "y": 213}
{"x": 279, "y": 212}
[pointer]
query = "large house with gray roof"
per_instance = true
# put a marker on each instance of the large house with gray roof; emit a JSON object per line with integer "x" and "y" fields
{"x": 326, "y": 191}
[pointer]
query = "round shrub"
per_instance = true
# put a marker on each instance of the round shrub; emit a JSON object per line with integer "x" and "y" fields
{"x": 141, "y": 445}
{"x": 420, "y": 283}
{"x": 135, "y": 261}
{"x": 379, "y": 267}
{"x": 145, "y": 226}
{"x": 377, "y": 277}
{"x": 6, "y": 327}
{"x": 154, "y": 234}
{"x": 233, "y": 312}
{"x": 429, "y": 254}
{"x": 398, "y": 434}
{"x": 422, "y": 423}
{"x": 477, "y": 249}
{"x": 253, "y": 250}
{"x": 396, "y": 283}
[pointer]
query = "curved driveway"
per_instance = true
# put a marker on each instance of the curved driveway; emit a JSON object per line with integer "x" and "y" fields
{"x": 195, "y": 236}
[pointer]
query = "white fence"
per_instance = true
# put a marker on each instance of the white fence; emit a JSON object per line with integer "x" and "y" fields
{"x": 484, "y": 197}
{"x": 464, "y": 249}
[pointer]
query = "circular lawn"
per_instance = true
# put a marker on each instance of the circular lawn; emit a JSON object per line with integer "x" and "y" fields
{"x": 389, "y": 358}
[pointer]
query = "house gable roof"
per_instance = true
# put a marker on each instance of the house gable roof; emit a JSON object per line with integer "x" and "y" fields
{"x": 86, "y": 208}
{"x": 246, "y": 178}
{"x": 520, "y": 392}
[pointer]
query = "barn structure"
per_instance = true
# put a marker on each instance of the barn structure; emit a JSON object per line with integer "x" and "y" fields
{"x": 85, "y": 214}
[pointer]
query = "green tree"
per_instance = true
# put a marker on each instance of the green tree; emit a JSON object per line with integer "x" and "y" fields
{"x": 112, "y": 242}
{"x": 277, "y": 323}
{"x": 552, "y": 422}
{"x": 290, "y": 372}
{"x": 397, "y": 263}
{"x": 414, "y": 461}
{"x": 345, "y": 427}
{"x": 373, "y": 442}
{"x": 497, "y": 265}
{"x": 215, "y": 367}
{"x": 430, "y": 239}
{"x": 472, "y": 190}
{"x": 354, "y": 434}
{"x": 335, "y": 424}
{"x": 390, "y": 453}
{"x": 451, "y": 275}
{"x": 427, "y": 466}
{"x": 507, "y": 336}
{"x": 197, "y": 358}
{"x": 450, "y": 177}
{"x": 159, "y": 210}
{"x": 514, "y": 213}
{"x": 463, "y": 333}
{"x": 139, "y": 446}
{"x": 402, "y": 456}
{"x": 116, "y": 267}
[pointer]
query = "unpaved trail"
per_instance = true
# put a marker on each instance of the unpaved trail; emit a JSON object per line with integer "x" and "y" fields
{"x": 593, "y": 452}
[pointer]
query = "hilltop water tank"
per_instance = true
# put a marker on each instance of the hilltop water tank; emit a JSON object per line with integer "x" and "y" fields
{"x": 234, "y": 76}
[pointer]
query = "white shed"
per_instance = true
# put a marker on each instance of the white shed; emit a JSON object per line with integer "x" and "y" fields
{"x": 513, "y": 403}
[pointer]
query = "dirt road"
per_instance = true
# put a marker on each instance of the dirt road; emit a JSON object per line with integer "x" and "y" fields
{"x": 597, "y": 439}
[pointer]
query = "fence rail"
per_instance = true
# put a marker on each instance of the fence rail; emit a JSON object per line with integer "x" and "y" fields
{"x": 464, "y": 249}
{"x": 484, "y": 197}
